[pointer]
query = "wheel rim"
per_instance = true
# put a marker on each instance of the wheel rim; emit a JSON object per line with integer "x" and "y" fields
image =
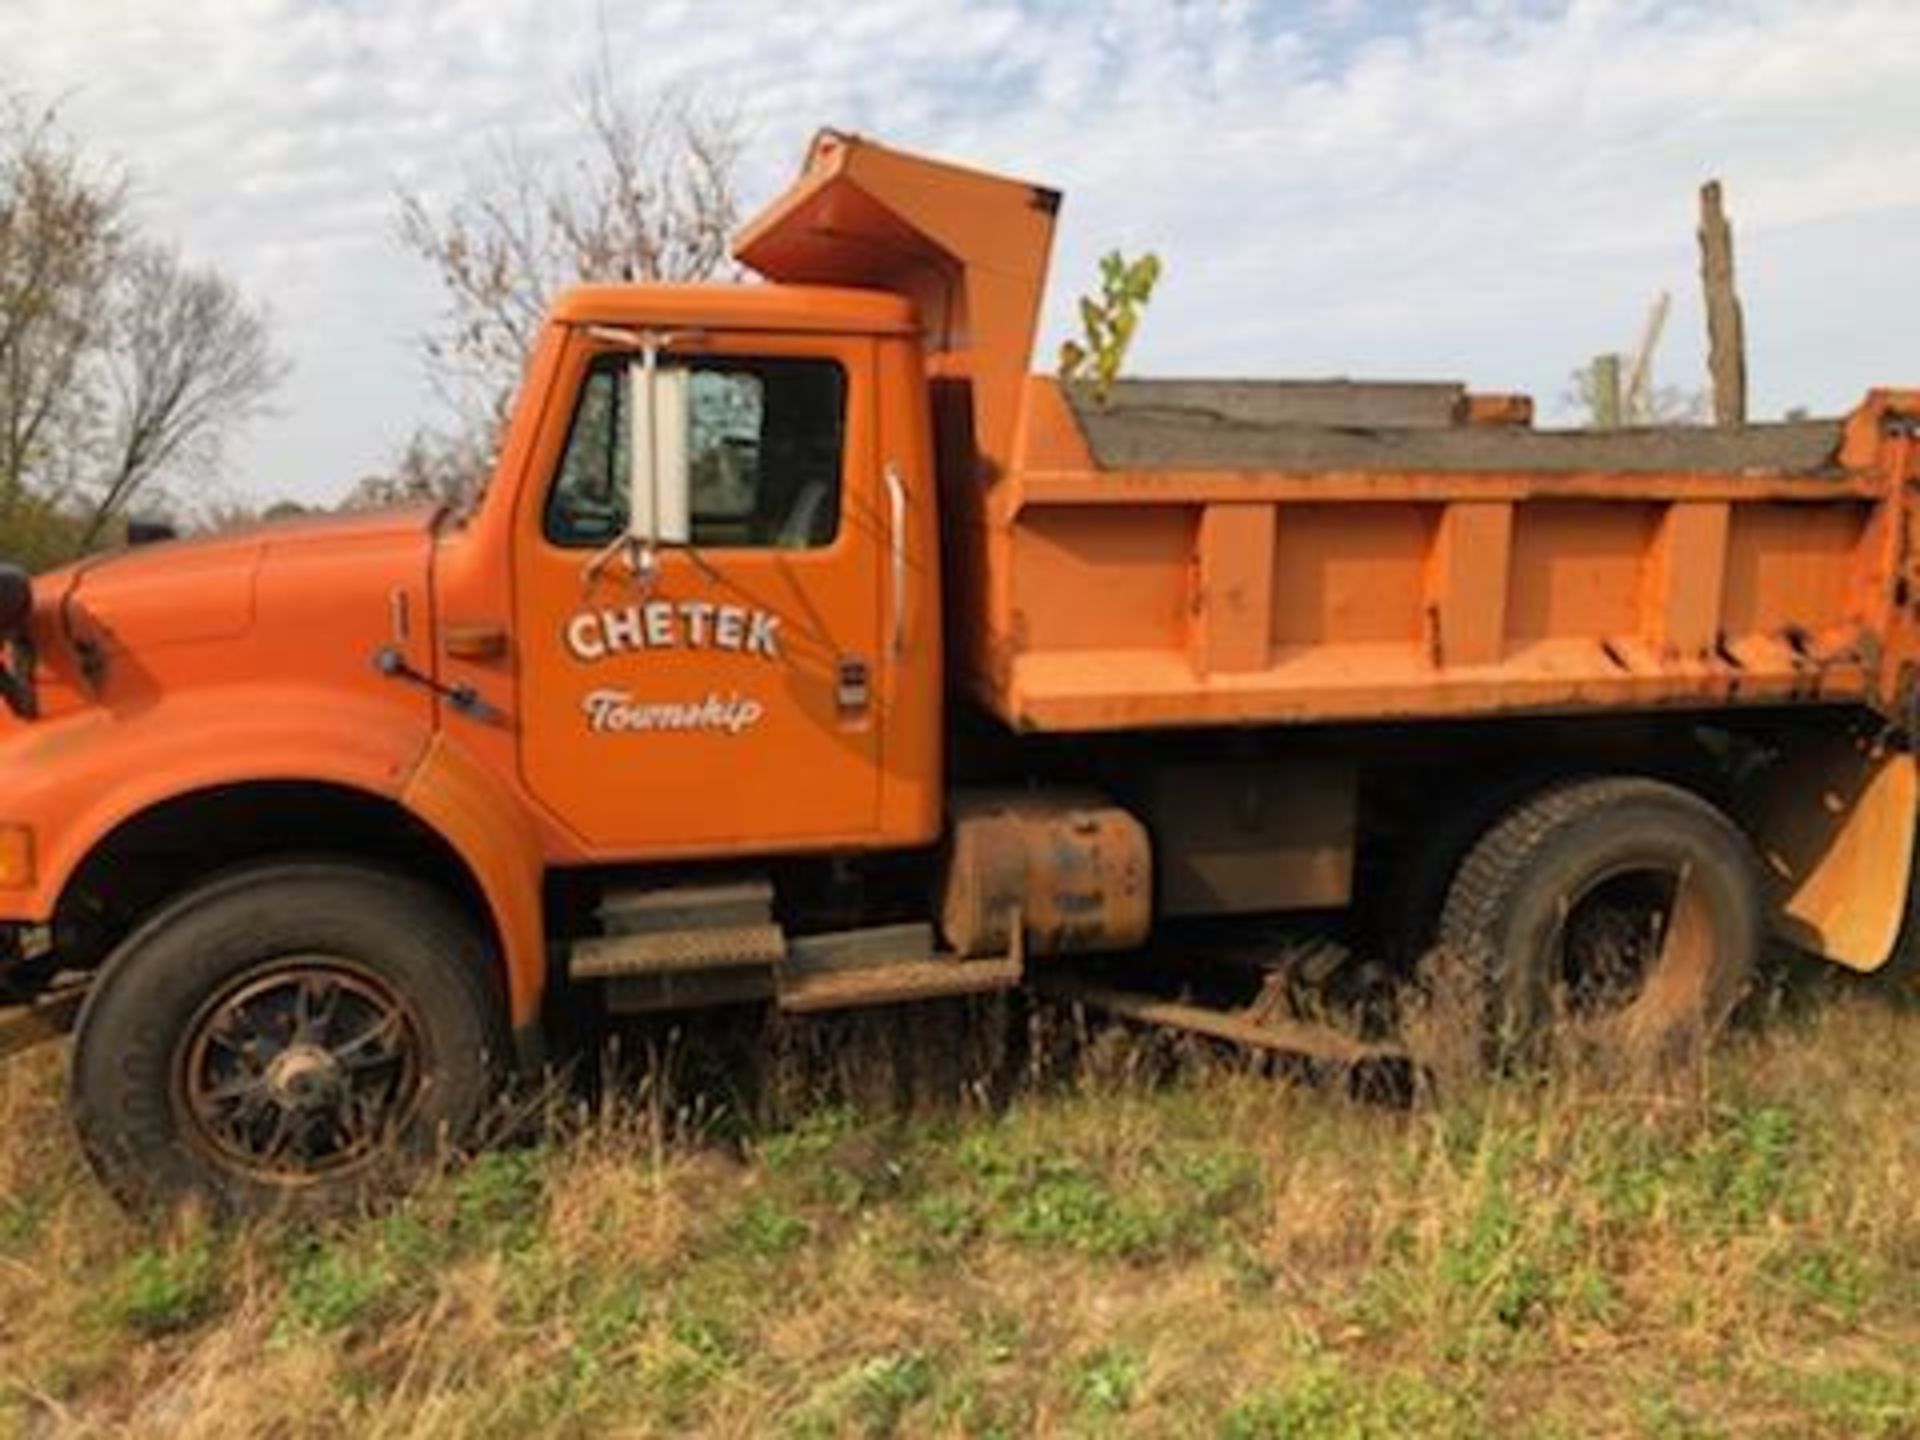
{"x": 1635, "y": 946}
{"x": 305, "y": 1070}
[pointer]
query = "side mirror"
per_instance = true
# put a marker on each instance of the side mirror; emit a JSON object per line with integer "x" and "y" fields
{"x": 150, "y": 530}
{"x": 16, "y": 671}
{"x": 659, "y": 483}
{"x": 16, "y": 601}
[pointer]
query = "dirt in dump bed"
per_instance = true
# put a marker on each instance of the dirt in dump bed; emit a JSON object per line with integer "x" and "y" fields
{"x": 1348, "y": 425}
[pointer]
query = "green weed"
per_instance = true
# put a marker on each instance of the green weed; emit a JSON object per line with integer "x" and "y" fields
{"x": 331, "y": 1286}
{"x": 1109, "y": 1381}
{"x": 1332, "y": 1403}
{"x": 162, "y": 1290}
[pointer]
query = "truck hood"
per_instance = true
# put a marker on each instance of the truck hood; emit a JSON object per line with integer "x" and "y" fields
{"x": 205, "y": 589}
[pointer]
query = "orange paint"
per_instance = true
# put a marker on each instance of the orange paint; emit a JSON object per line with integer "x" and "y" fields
{"x": 751, "y": 701}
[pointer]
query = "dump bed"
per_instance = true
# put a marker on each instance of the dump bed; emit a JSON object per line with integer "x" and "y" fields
{"x": 1188, "y": 553}
{"x": 1235, "y": 553}
{"x": 1193, "y": 553}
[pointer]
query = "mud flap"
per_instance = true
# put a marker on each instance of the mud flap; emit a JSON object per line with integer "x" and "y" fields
{"x": 1835, "y": 827}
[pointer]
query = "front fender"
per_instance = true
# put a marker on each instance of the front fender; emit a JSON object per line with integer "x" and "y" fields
{"x": 468, "y": 806}
{"x": 74, "y": 780}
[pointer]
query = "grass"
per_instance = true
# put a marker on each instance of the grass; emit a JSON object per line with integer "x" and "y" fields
{"x": 1144, "y": 1247}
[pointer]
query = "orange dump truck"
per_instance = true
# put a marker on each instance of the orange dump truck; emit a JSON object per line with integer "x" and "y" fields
{"x": 807, "y": 650}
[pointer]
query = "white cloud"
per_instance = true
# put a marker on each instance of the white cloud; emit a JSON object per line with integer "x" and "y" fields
{"x": 1491, "y": 191}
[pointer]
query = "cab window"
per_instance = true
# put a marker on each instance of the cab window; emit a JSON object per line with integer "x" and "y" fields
{"x": 764, "y": 448}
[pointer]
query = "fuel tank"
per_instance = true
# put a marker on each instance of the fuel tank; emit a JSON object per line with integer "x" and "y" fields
{"x": 1069, "y": 870}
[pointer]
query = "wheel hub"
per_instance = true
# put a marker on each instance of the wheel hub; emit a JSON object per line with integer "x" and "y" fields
{"x": 305, "y": 1068}
{"x": 303, "y": 1076}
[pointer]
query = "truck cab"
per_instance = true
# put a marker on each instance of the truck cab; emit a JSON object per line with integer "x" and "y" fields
{"x": 756, "y": 602}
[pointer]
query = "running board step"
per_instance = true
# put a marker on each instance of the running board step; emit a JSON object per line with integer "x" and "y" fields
{"x": 678, "y": 929}
{"x": 847, "y": 987}
{"x": 675, "y": 952}
{"x": 881, "y": 965}
{"x": 854, "y": 949}
{"x": 728, "y": 905}
{"x": 669, "y": 969}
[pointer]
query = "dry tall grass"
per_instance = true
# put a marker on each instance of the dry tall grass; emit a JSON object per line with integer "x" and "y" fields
{"x": 861, "y": 1238}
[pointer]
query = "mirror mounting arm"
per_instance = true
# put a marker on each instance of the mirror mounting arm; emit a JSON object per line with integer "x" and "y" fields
{"x": 640, "y": 544}
{"x": 643, "y": 561}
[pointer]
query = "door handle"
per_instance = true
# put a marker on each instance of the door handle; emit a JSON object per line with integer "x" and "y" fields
{"x": 897, "y": 542}
{"x": 852, "y": 685}
{"x": 479, "y": 640}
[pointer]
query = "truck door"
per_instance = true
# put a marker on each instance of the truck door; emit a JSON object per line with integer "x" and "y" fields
{"x": 725, "y": 700}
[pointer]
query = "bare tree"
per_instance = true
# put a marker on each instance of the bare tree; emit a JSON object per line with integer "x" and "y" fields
{"x": 188, "y": 360}
{"x": 120, "y": 365}
{"x": 648, "y": 196}
{"x": 434, "y": 469}
{"x": 61, "y": 224}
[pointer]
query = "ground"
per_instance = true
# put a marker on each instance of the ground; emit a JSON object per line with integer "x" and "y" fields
{"x": 1135, "y": 1239}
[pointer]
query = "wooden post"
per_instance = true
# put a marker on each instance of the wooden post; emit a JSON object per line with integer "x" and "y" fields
{"x": 1637, "y": 404}
{"x": 1606, "y": 392}
{"x": 1726, "y": 330}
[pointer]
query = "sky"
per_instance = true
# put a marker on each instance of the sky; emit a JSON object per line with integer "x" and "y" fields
{"x": 1490, "y": 192}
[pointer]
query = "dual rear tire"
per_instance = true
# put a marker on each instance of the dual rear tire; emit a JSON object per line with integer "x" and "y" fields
{"x": 1623, "y": 915}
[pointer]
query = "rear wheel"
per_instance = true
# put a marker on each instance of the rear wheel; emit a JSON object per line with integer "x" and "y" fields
{"x": 290, "y": 1036}
{"x": 1622, "y": 915}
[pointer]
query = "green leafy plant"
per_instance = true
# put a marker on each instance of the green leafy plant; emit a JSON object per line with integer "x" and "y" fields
{"x": 164, "y": 1289}
{"x": 766, "y": 1230}
{"x": 1109, "y": 1381}
{"x": 1110, "y": 321}
{"x": 332, "y": 1287}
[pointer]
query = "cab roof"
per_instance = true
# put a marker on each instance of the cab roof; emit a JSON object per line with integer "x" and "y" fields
{"x": 752, "y": 306}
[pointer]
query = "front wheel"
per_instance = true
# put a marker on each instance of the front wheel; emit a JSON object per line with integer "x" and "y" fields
{"x": 289, "y": 1036}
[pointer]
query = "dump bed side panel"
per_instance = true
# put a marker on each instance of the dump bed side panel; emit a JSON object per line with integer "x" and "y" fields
{"x": 1157, "y": 565}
